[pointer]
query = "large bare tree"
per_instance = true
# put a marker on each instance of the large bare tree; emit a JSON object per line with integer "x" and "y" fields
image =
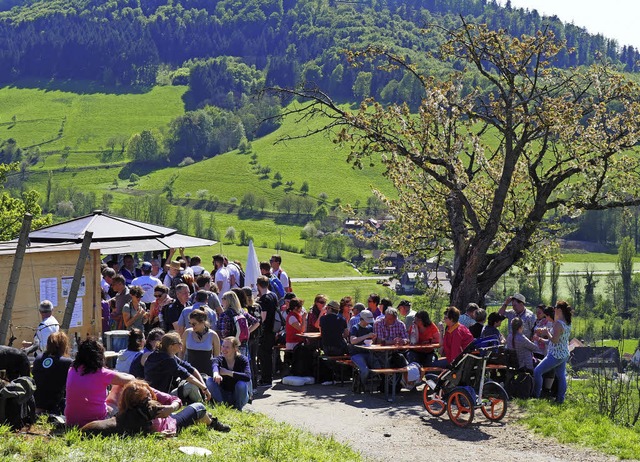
{"x": 491, "y": 172}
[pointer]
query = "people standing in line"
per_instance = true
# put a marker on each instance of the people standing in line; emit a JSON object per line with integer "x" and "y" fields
{"x": 222, "y": 276}
{"x": 268, "y": 305}
{"x": 47, "y": 326}
{"x": 558, "y": 352}
{"x": 129, "y": 270}
{"x": 134, "y": 313}
{"x": 199, "y": 303}
{"x": 118, "y": 302}
{"x": 146, "y": 282}
{"x": 277, "y": 271}
{"x": 171, "y": 313}
{"x": 173, "y": 278}
{"x": 50, "y": 374}
{"x": 203, "y": 282}
{"x": 518, "y": 301}
{"x": 162, "y": 299}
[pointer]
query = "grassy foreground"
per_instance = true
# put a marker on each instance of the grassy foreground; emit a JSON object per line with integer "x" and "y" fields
{"x": 253, "y": 437}
{"x": 576, "y": 422}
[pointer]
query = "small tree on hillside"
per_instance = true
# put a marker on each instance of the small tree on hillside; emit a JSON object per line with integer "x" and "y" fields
{"x": 626, "y": 252}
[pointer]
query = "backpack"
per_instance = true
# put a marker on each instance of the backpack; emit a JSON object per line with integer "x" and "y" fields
{"x": 520, "y": 385}
{"x": 17, "y": 403}
{"x": 278, "y": 321}
{"x": 276, "y": 287}
{"x": 242, "y": 275}
{"x": 242, "y": 328}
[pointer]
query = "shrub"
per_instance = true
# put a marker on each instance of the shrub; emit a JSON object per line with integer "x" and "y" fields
{"x": 186, "y": 161}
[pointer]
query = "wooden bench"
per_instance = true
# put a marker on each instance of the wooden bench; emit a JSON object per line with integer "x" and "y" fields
{"x": 342, "y": 360}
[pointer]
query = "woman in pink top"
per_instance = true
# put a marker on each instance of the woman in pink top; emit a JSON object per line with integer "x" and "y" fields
{"x": 87, "y": 382}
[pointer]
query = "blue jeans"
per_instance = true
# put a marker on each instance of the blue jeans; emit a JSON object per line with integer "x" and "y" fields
{"x": 189, "y": 415}
{"x": 362, "y": 360}
{"x": 236, "y": 398}
{"x": 547, "y": 364}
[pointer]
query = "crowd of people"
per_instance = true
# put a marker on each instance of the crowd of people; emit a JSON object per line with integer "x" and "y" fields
{"x": 197, "y": 337}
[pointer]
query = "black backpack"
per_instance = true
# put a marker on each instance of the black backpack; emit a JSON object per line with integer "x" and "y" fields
{"x": 520, "y": 385}
{"x": 17, "y": 403}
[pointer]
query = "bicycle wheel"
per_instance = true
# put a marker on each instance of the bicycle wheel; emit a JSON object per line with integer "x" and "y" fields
{"x": 460, "y": 407}
{"x": 494, "y": 401}
{"x": 431, "y": 399}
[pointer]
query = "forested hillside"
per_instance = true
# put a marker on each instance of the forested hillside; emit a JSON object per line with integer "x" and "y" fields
{"x": 125, "y": 42}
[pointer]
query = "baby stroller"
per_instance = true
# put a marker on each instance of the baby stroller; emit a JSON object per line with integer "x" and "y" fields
{"x": 462, "y": 387}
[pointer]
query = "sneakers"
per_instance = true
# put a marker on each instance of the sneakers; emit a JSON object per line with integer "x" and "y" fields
{"x": 218, "y": 426}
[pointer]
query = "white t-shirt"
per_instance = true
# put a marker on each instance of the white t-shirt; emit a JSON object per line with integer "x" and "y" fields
{"x": 284, "y": 279}
{"x": 222, "y": 275}
{"x": 44, "y": 330}
{"x": 148, "y": 283}
{"x": 235, "y": 272}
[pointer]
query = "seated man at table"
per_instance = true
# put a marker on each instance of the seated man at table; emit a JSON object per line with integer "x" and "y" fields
{"x": 390, "y": 330}
{"x": 333, "y": 329}
{"x": 361, "y": 358}
{"x": 456, "y": 337}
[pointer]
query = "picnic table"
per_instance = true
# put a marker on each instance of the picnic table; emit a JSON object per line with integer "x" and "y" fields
{"x": 388, "y": 372}
{"x": 310, "y": 335}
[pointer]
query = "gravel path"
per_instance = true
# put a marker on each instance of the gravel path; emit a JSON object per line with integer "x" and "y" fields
{"x": 403, "y": 431}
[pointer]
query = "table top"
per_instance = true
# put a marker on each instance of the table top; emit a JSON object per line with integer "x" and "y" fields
{"x": 310, "y": 335}
{"x": 108, "y": 354}
{"x": 377, "y": 347}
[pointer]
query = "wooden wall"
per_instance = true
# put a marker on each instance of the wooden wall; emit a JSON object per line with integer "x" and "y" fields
{"x": 47, "y": 270}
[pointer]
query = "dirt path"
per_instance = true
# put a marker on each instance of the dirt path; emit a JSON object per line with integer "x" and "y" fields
{"x": 403, "y": 431}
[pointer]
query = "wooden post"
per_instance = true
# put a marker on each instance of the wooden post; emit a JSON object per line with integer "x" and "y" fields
{"x": 15, "y": 276}
{"x": 77, "y": 278}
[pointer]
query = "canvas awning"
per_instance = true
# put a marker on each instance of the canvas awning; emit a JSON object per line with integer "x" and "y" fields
{"x": 111, "y": 235}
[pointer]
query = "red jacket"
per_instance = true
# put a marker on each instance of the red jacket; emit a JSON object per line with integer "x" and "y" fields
{"x": 456, "y": 339}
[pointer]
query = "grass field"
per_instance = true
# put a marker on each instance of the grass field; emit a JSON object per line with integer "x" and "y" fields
{"x": 253, "y": 437}
{"x": 90, "y": 119}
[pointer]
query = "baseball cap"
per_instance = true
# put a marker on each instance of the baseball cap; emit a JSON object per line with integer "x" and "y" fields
{"x": 146, "y": 266}
{"x": 367, "y": 316}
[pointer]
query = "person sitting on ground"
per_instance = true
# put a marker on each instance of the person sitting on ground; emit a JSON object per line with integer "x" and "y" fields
{"x": 333, "y": 331}
{"x": 231, "y": 376}
{"x": 423, "y": 332}
{"x": 134, "y": 313}
{"x": 523, "y": 347}
{"x": 201, "y": 343}
{"x": 493, "y": 326}
{"x": 135, "y": 343}
{"x": 143, "y": 410}
{"x": 153, "y": 341}
{"x": 86, "y": 387}
{"x": 296, "y": 322}
{"x": 456, "y": 337}
{"x": 165, "y": 371}
{"x": 468, "y": 319}
{"x": 50, "y": 374}
{"x": 15, "y": 362}
{"x": 390, "y": 330}
{"x": 363, "y": 360}
{"x": 481, "y": 317}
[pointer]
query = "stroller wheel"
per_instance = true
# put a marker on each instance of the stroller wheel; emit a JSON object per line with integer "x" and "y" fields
{"x": 460, "y": 407}
{"x": 494, "y": 401}
{"x": 433, "y": 402}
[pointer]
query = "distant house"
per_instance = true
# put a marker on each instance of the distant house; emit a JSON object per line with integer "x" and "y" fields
{"x": 389, "y": 258}
{"x": 367, "y": 227}
{"x": 411, "y": 282}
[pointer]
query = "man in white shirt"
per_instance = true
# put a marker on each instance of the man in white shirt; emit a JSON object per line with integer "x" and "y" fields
{"x": 234, "y": 273}
{"x": 277, "y": 271}
{"x": 147, "y": 282}
{"x": 222, "y": 278}
{"x": 48, "y": 326}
